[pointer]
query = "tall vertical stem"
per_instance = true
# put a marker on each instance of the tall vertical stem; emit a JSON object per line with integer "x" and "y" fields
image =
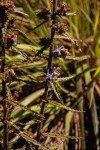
{"x": 5, "y": 135}
{"x": 40, "y": 125}
{"x": 52, "y": 33}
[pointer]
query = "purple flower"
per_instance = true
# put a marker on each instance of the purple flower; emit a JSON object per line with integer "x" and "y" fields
{"x": 53, "y": 73}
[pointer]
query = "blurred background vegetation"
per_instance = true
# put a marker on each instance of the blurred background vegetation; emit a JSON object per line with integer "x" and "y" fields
{"x": 78, "y": 86}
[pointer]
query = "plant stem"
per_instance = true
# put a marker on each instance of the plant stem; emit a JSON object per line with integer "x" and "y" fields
{"x": 5, "y": 136}
{"x": 52, "y": 34}
{"x": 40, "y": 125}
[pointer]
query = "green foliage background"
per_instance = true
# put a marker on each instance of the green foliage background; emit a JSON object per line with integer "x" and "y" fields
{"x": 75, "y": 123}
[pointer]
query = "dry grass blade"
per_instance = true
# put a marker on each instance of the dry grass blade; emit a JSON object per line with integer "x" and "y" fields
{"x": 27, "y": 136}
{"x": 93, "y": 109}
{"x": 64, "y": 78}
{"x": 16, "y": 104}
{"x": 55, "y": 135}
{"x": 56, "y": 91}
{"x": 78, "y": 58}
{"x": 80, "y": 107}
{"x": 63, "y": 106}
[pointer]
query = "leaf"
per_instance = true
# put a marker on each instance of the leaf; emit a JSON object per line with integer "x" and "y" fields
{"x": 91, "y": 99}
{"x": 11, "y": 100}
{"x": 68, "y": 92}
{"x": 55, "y": 91}
{"x": 21, "y": 53}
{"x": 68, "y": 120}
{"x": 64, "y": 78}
{"x": 27, "y": 47}
{"x": 62, "y": 106}
{"x": 78, "y": 58}
{"x": 17, "y": 104}
{"x": 79, "y": 88}
{"x": 56, "y": 135}
{"x": 27, "y": 136}
{"x": 69, "y": 37}
{"x": 26, "y": 101}
{"x": 86, "y": 15}
{"x": 96, "y": 21}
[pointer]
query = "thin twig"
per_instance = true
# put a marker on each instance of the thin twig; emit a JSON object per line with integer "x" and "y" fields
{"x": 36, "y": 27}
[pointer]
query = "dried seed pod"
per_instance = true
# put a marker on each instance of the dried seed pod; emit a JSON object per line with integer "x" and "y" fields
{"x": 10, "y": 75}
{"x": 65, "y": 52}
{"x": 6, "y": 7}
{"x": 11, "y": 39}
{"x": 10, "y": 23}
{"x": 62, "y": 28}
{"x": 56, "y": 72}
{"x": 77, "y": 46}
{"x": 16, "y": 93}
{"x": 44, "y": 14}
{"x": 63, "y": 10}
{"x": 20, "y": 90}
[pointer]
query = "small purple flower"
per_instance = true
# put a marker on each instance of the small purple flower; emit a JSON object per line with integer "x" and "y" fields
{"x": 53, "y": 73}
{"x": 57, "y": 51}
{"x": 48, "y": 75}
{"x": 61, "y": 51}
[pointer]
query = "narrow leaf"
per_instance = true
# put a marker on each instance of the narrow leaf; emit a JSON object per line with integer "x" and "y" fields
{"x": 62, "y": 106}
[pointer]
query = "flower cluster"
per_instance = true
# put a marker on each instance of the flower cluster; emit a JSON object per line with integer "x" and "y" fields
{"x": 53, "y": 73}
{"x": 61, "y": 52}
{"x": 7, "y": 7}
{"x": 60, "y": 28}
{"x": 11, "y": 39}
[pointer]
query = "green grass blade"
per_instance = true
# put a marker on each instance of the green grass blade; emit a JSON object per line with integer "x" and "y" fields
{"x": 93, "y": 109}
{"x": 80, "y": 107}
